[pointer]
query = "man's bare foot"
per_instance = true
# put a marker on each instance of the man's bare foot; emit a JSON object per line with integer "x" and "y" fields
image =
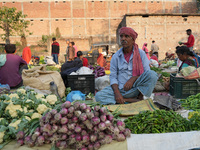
{"x": 140, "y": 96}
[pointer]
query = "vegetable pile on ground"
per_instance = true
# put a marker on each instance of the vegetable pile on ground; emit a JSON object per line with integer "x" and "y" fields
{"x": 98, "y": 71}
{"x": 19, "y": 108}
{"x": 164, "y": 76}
{"x": 76, "y": 126}
{"x": 161, "y": 121}
{"x": 53, "y": 68}
{"x": 171, "y": 63}
{"x": 191, "y": 102}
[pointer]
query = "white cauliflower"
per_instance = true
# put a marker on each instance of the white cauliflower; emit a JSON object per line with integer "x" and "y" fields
{"x": 15, "y": 124}
{"x": 44, "y": 100}
{"x": 13, "y": 109}
{"x": 29, "y": 100}
{"x": 51, "y": 99}
{"x": 25, "y": 110}
{"x": 1, "y": 136}
{"x": 27, "y": 118}
{"x": 187, "y": 70}
{"x": 41, "y": 108}
{"x": 39, "y": 95}
{"x": 13, "y": 95}
{"x": 36, "y": 115}
{"x": 31, "y": 110}
{"x": 23, "y": 91}
{"x": 8, "y": 101}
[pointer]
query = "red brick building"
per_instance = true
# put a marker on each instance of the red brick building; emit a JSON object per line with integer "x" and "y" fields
{"x": 89, "y": 21}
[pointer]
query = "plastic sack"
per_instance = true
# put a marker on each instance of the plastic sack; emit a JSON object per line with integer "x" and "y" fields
{"x": 154, "y": 63}
{"x": 49, "y": 60}
{"x": 84, "y": 70}
{"x": 4, "y": 88}
{"x": 75, "y": 95}
{"x": 102, "y": 82}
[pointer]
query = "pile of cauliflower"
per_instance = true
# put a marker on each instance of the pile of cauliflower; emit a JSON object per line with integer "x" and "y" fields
{"x": 21, "y": 107}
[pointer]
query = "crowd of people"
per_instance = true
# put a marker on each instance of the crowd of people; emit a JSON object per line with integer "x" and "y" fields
{"x": 130, "y": 74}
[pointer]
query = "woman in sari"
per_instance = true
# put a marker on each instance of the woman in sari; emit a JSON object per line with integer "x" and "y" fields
{"x": 144, "y": 48}
{"x": 186, "y": 56}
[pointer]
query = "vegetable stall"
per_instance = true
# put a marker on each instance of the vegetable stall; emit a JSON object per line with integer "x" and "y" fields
{"x": 30, "y": 120}
{"x": 35, "y": 119}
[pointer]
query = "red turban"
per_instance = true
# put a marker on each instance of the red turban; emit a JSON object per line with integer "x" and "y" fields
{"x": 128, "y": 31}
{"x": 137, "y": 61}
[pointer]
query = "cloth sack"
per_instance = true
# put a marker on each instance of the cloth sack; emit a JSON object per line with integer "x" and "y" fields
{"x": 159, "y": 87}
{"x": 39, "y": 78}
{"x": 102, "y": 82}
{"x": 166, "y": 102}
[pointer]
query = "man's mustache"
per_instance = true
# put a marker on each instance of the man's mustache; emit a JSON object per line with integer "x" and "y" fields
{"x": 123, "y": 42}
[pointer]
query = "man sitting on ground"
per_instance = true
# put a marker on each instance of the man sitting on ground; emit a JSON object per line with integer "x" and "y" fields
{"x": 11, "y": 66}
{"x": 130, "y": 77}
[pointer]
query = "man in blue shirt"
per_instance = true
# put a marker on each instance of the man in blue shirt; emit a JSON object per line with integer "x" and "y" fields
{"x": 130, "y": 77}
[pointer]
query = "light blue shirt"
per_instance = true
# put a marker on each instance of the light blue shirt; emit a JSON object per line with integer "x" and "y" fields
{"x": 121, "y": 70}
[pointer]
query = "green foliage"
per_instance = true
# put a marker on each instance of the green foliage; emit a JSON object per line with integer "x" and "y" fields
{"x": 42, "y": 60}
{"x": 12, "y": 22}
{"x": 45, "y": 39}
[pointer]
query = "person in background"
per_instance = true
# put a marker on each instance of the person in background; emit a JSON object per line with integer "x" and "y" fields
{"x": 26, "y": 54}
{"x": 76, "y": 49}
{"x": 71, "y": 66}
{"x": 154, "y": 48}
{"x": 71, "y": 52}
{"x": 55, "y": 49}
{"x": 11, "y": 66}
{"x": 67, "y": 49}
{"x": 145, "y": 49}
{"x": 101, "y": 61}
{"x": 130, "y": 74}
{"x": 190, "y": 42}
{"x": 83, "y": 59}
{"x": 185, "y": 55}
{"x": 155, "y": 57}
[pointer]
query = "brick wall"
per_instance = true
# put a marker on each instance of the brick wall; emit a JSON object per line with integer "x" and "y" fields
{"x": 167, "y": 31}
{"x": 96, "y": 20}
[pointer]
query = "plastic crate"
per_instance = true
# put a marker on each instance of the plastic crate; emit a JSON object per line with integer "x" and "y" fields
{"x": 181, "y": 88}
{"x": 83, "y": 83}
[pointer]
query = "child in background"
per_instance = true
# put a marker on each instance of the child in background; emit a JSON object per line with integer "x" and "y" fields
{"x": 11, "y": 66}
